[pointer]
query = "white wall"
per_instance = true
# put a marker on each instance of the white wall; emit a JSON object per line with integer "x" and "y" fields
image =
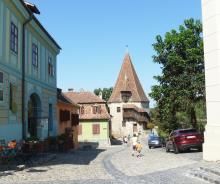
{"x": 117, "y": 117}
{"x": 211, "y": 33}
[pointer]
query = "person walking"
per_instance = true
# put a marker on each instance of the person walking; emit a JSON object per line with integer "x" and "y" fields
{"x": 138, "y": 149}
{"x": 134, "y": 143}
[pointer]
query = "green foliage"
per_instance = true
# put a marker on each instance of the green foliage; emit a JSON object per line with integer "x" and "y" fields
{"x": 106, "y": 92}
{"x": 150, "y": 125}
{"x": 181, "y": 86}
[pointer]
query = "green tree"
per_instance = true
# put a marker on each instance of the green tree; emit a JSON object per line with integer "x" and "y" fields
{"x": 106, "y": 92}
{"x": 182, "y": 83}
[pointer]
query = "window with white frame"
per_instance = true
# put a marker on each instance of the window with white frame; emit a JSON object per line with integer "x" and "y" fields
{"x": 14, "y": 38}
{"x": 35, "y": 55}
{"x": 51, "y": 70}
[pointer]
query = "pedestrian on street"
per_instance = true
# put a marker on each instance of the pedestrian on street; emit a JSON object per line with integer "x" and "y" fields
{"x": 134, "y": 143}
{"x": 138, "y": 149}
{"x": 125, "y": 139}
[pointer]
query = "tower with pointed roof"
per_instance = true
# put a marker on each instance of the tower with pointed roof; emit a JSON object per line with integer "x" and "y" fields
{"x": 128, "y": 104}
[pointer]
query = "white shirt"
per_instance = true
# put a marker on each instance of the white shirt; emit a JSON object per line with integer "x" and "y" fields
{"x": 134, "y": 141}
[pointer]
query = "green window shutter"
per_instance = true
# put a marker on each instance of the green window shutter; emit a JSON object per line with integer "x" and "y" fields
{"x": 12, "y": 101}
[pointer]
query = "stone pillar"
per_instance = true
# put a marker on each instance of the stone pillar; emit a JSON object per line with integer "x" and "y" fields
{"x": 211, "y": 33}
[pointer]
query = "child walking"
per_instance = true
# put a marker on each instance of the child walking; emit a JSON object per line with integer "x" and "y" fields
{"x": 134, "y": 143}
{"x": 138, "y": 149}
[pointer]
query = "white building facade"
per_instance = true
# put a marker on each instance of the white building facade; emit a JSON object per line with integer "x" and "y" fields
{"x": 211, "y": 33}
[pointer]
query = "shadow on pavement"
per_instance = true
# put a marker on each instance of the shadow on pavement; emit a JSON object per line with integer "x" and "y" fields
{"x": 77, "y": 157}
{"x": 116, "y": 142}
{"x": 37, "y": 170}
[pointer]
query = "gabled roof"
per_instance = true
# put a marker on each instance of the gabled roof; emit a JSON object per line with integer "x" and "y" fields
{"x": 128, "y": 81}
{"x": 62, "y": 98}
{"x": 103, "y": 115}
{"x": 83, "y": 97}
{"x": 86, "y": 100}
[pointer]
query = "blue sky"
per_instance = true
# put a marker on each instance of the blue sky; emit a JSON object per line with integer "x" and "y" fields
{"x": 93, "y": 35}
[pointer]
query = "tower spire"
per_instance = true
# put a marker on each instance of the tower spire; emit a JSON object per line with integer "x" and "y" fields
{"x": 128, "y": 81}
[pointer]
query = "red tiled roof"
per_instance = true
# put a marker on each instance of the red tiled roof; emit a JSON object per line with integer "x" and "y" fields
{"x": 62, "y": 98}
{"x": 87, "y": 100}
{"x": 103, "y": 116}
{"x": 128, "y": 81}
{"x": 83, "y": 97}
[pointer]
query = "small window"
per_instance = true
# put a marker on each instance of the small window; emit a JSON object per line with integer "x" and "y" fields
{"x": 64, "y": 115}
{"x": 118, "y": 109}
{"x": 82, "y": 110}
{"x": 74, "y": 119}
{"x": 35, "y": 55}
{"x": 1, "y": 77}
{"x": 135, "y": 128}
{"x": 96, "y": 129}
{"x": 14, "y": 38}
{"x": 51, "y": 70}
{"x": 96, "y": 109}
{"x": 80, "y": 130}
{"x": 1, "y": 95}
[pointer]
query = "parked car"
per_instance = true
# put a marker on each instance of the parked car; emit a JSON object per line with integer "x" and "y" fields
{"x": 154, "y": 141}
{"x": 184, "y": 139}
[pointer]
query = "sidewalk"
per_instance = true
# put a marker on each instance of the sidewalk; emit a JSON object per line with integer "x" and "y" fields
{"x": 16, "y": 165}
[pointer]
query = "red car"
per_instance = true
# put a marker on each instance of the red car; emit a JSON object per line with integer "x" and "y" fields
{"x": 184, "y": 139}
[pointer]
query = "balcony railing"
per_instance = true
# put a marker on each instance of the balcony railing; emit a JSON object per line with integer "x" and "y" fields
{"x": 134, "y": 115}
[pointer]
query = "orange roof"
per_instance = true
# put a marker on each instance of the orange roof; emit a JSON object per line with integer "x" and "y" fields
{"x": 83, "y": 97}
{"x": 103, "y": 115}
{"x": 86, "y": 100}
{"x": 128, "y": 81}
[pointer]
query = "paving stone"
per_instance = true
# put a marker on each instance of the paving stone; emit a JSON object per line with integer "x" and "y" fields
{"x": 114, "y": 165}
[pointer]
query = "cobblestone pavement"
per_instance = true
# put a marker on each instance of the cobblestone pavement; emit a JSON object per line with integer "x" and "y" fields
{"x": 112, "y": 166}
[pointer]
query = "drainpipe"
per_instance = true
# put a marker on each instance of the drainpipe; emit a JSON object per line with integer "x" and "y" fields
{"x": 23, "y": 76}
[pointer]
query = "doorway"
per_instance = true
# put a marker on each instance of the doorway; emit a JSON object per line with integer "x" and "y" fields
{"x": 34, "y": 113}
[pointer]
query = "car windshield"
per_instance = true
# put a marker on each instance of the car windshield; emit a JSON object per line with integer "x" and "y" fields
{"x": 188, "y": 131}
{"x": 154, "y": 138}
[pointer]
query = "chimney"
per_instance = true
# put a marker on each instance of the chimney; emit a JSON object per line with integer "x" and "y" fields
{"x": 70, "y": 89}
{"x": 100, "y": 94}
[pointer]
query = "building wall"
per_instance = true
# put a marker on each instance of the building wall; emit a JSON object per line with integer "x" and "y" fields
{"x": 37, "y": 79}
{"x": 117, "y": 117}
{"x": 87, "y": 132}
{"x": 211, "y": 34}
{"x": 63, "y": 125}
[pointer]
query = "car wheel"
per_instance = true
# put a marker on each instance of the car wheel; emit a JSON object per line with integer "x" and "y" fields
{"x": 176, "y": 150}
{"x": 200, "y": 149}
{"x": 149, "y": 147}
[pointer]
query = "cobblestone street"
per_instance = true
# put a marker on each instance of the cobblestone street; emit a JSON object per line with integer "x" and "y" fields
{"x": 114, "y": 165}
